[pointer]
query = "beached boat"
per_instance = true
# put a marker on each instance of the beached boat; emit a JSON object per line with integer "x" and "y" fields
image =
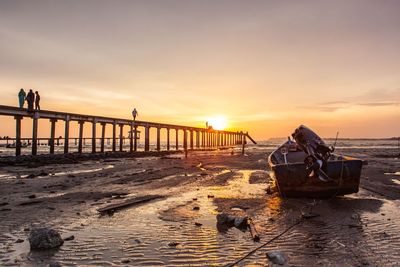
{"x": 300, "y": 169}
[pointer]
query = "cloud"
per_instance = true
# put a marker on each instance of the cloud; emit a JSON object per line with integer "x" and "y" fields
{"x": 379, "y": 104}
{"x": 371, "y": 98}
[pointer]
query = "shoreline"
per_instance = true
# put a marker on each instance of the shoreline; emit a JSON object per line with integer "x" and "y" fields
{"x": 67, "y": 199}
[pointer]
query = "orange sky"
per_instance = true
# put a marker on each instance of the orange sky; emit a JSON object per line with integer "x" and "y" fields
{"x": 267, "y": 66}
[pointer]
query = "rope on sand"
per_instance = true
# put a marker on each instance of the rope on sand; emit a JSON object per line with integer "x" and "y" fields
{"x": 263, "y": 245}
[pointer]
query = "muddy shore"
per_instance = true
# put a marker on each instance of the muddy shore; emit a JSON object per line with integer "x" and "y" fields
{"x": 179, "y": 229}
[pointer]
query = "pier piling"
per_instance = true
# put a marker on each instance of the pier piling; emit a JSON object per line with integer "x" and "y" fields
{"x": 205, "y": 138}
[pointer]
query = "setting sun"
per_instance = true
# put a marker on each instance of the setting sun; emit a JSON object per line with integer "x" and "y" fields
{"x": 218, "y": 122}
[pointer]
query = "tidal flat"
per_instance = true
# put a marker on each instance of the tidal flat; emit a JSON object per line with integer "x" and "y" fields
{"x": 180, "y": 227}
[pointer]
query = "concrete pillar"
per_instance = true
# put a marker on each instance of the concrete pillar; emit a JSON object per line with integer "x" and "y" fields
{"x": 191, "y": 139}
{"x": 146, "y": 138}
{"x": 131, "y": 138}
{"x": 34, "y": 133}
{"x": 114, "y": 137}
{"x": 66, "y": 135}
{"x": 197, "y": 139}
{"x": 243, "y": 142}
{"x": 176, "y": 139}
{"x": 103, "y": 135}
{"x": 52, "y": 134}
{"x": 94, "y": 136}
{"x": 80, "y": 136}
{"x": 168, "y": 138}
{"x": 225, "y": 139}
{"x": 121, "y": 137}
{"x": 135, "y": 138}
{"x": 158, "y": 138}
{"x": 17, "y": 135}
{"x": 185, "y": 143}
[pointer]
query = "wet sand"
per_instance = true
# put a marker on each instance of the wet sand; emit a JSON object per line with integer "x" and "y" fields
{"x": 361, "y": 229}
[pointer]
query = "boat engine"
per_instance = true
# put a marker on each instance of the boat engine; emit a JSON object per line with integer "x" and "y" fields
{"x": 317, "y": 152}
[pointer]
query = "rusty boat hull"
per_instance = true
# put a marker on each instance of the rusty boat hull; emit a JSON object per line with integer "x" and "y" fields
{"x": 292, "y": 179}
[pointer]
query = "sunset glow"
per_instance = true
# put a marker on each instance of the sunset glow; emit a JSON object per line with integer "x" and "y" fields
{"x": 260, "y": 63}
{"x": 218, "y": 122}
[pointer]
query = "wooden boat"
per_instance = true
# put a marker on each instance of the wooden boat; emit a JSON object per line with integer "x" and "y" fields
{"x": 293, "y": 179}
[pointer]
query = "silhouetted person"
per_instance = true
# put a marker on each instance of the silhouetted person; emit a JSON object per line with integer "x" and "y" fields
{"x": 30, "y": 98}
{"x": 21, "y": 98}
{"x": 134, "y": 113}
{"x": 37, "y": 101}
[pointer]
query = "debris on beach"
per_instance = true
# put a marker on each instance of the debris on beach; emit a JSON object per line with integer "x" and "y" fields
{"x": 127, "y": 203}
{"x": 69, "y": 238}
{"x": 45, "y": 238}
{"x": 173, "y": 244}
{"x": 226, "y": 221}
{"x": 309, "y": 215}
{"x": 231, "y": 220}
{"x": 276, "y": 257}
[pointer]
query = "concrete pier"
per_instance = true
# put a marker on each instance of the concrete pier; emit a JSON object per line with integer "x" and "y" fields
{"x": 193, "y": 137}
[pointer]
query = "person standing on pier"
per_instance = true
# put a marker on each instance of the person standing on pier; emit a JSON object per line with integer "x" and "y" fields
{"x": 30, "y": 98}
{"x": 134, "y": 114}
{"x": 21, "y": 98}
{"x": 37, "y": 101}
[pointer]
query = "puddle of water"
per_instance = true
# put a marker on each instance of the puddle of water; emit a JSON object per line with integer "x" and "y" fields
{"x": 396, "y": 181}
{"x": 140, "y": 235}
{"x": 392, "y": 173}
{"x": 11, "y": 177}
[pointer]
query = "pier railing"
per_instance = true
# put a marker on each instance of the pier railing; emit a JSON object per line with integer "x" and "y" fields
{"x": 205, "y": 138}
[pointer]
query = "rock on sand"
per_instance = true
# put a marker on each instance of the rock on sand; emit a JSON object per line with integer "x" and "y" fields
{"x": 44, "y": 238}
{"x": 276, "y": 257}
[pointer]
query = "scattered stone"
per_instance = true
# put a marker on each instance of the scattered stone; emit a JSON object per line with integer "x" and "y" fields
{"x": 32, "y": 196}
{"x": 72, "y": 237}
{"x": 19, "y": 240}
{"x": 203, "y": 174}
{"x": 125, "y": 261}
{"x": 138, "y": 241}
{"x": 210, "y": 196}
{"x": 276, "y": 257}
{"x": 26, "y": 229}
{"x": 44, "y": 238}
{"x": 194, "y": 199}
{"x": 309, "y": 215}
{"x": 196, "y": 208}
{"x": 173, "y": 244}
{"x": 198, "y": 224}
{"x": 231, "y": 220}
{"x": 240, "y": 222}
{"x": 55, "y": 264}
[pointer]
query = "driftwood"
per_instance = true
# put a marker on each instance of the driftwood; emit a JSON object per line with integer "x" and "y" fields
{"x": 127, "y": 203}
{"x": 253, "y": 230}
